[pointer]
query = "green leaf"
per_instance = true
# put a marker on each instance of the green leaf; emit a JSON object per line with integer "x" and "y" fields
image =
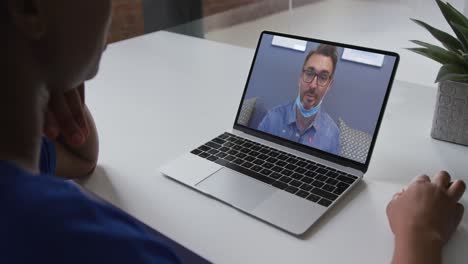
{"x": 438, "y": 54}
{"x": 453, "y": 17}
{"x": 446, "y": 39}
{"x": 452, "y": 72}
{"x": 464, "y": 32}
{"x": 460, "y": 16}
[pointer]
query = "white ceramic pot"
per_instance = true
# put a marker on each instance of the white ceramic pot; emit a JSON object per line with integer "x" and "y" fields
{"x": 451, "y": 113}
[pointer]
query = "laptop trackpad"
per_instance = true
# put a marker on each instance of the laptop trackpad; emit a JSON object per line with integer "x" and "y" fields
{"x": 237, "y": 189}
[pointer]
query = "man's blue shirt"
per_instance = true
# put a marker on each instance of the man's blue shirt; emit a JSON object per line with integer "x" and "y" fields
{"x": 323, "y": 133}
{"x": 45, "y": 219}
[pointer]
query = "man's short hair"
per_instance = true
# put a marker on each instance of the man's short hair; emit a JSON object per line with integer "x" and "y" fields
{"x": 325, "y": 50}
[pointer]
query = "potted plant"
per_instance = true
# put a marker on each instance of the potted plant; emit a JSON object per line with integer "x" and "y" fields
{"x": 450, "y": 121}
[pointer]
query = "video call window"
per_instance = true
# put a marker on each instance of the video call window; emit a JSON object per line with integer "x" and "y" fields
{"x": 322, "y": 96}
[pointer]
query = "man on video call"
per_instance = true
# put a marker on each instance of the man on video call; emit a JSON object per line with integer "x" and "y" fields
{"x": 303, "y": 120}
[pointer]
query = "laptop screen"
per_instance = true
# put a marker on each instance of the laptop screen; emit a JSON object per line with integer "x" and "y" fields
{"x": 322, "y": 95}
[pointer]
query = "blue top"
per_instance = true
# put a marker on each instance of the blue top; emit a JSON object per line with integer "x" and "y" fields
{"x": 323, "y": 133}
{"x": 45, "y": 219}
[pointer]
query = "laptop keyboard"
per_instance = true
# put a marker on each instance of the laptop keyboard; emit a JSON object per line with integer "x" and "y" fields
{"x": 301, "y": 177}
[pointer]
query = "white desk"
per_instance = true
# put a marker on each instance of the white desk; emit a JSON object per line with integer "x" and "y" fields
{"x": 162, "y": 94}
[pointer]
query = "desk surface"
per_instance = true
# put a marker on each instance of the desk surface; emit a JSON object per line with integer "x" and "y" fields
{"x": 162, "y": 94}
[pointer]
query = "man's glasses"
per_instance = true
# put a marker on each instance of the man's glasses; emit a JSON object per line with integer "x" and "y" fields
{"x": 308, "y": 76}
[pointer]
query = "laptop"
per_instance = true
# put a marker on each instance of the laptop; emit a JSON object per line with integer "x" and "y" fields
{"x": 303, "y": 134}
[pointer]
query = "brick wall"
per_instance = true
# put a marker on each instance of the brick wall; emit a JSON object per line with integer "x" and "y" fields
{"x": 211, "y": 7}
{"x": 127, "y": 19}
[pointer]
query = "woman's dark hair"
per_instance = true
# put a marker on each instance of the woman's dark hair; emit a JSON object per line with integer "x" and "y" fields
{"x": 3, "y": 13}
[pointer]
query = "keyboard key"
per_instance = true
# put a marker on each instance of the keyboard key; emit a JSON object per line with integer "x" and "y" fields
{"x": 342, "y": 185}
{"x": 324, "y": 194}
{"x": 345, "y": 179}
{"x": 250, "y": 173}
{"x": 296, "y": 176}
{"x": 245, "y": 150}
{"x": 219, "y": 141}
{"x": 230, "y": 158}
{"x": 204, "y": 148}
{"x": 232, "y": 152}
{"x": 310, "y": 174}
{"x": 241, "y": 155}
{"x": 280, "y": 185}
{"x": 291, "y": 167}
{"x": 238, "y": 161}
{"x": 249, "y": 158}
{"x": 254, "y": 154}
{"x": 247, "y": 165}
{"x": 286, "y": 172}
{"x": 312, "y": 197}
{"x": 321, "y": 171}
{"x": 295, "y": 183}
{"x": 351, "y": 176}
{"x": 247, "y": 145}
{"x": 264, "y": 150}
{"x": 285, "y": 179}
{"x": 307, "y": 180}
{"x": 275, "y": 175}
{"x": 292, "y": 160}
{"x": 268, "y": 165}
{"x": 213, "y": 151}
{"x": 324, "y": 202}
{"x": 213, "y": 145}
{"x": 221, "y": 162}
{"x": 212, "y": 158}
{"x": 277, "y": 168}
{"x": 300, "y": 170}
{"x": 256, "y": 168}
{"x": 266, "y": 172}
{"x": 196, "y": 151}
{"x": 228, "y": 145}
{"x": 221, "y": 155}
{"x": 237, "y": 147}
{"x": 256, "y": 148}
{"x": 306, "y": 187}
{"x": 204, "y": 155}
{"x": 224, "y": 136}
{"x": 311, "y": 167}
{"x": 272, "y": 160}
{"x": 318, "y": 184}
{"x": 332, "y": 174}
{"x": 332, "y": 181}
{"x": 339, "y": 190}
{"x": 282, "y": 157}
{"x": 321, "y": 178}
{"x": 302, "y": 164}
{"x": 224, "y": 149}
{"x": 231, "y": 138}
{"x": 281, "y": 163}
{"x": 258, "y": 162}
{"x": 262, "y": 157}
{"x": 291, "y": 189}
{"x": 328, "y": 188}
{"x": 274, "y": 154}
{"x": 302, "y": 194}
